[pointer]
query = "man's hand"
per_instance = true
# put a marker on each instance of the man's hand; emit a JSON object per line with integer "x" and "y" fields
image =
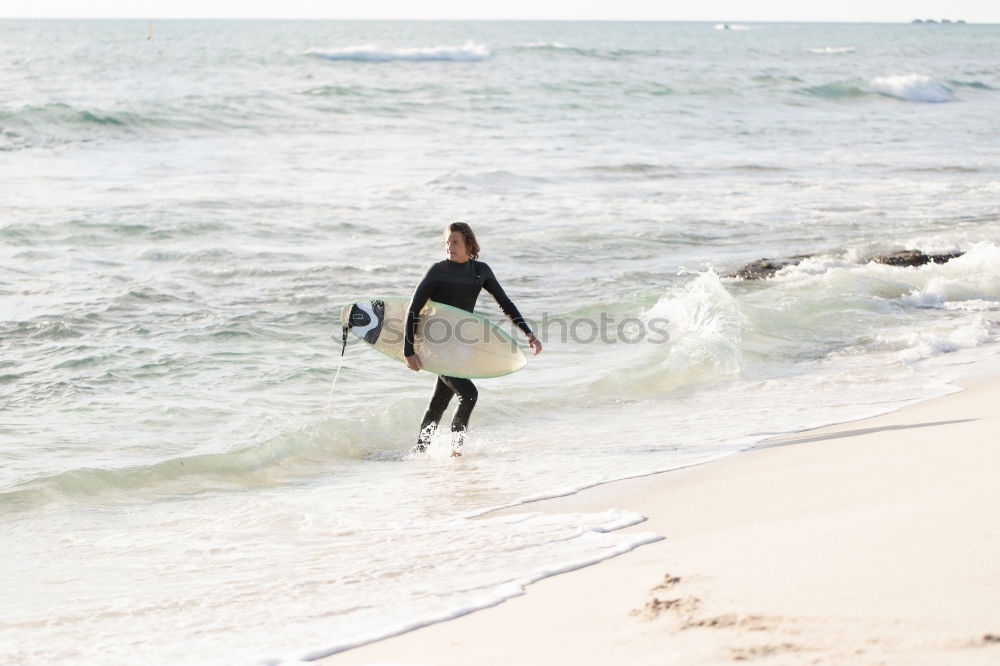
{"x": 413, "y": 363}
{"x": 535, "y": 344}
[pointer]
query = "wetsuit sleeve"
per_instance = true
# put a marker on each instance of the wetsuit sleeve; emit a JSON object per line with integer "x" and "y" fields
{"x": 506, "y": 305}
{"x": 420, "y": 296}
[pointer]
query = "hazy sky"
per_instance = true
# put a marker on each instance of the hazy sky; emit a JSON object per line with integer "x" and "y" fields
{"x": 979, "y": 11}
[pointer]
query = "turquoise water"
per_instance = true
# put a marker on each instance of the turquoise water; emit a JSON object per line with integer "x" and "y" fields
{"x": 185, "y": 216}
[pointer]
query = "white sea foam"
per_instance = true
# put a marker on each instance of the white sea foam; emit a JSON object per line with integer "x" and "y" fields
{"x": 974, "y": 305}
{"x": 968, "y": 286}
{"x": 972, "y": 278}
{"x": 911, "y": 88}
{"x": 564, "y": 492}
{"x": 468, "y": 52}
{"x": 832, "y": 50}
{"x": 600, "y": 546}
{"x": 546, "y": 45}
{"x": 916, "y": 345}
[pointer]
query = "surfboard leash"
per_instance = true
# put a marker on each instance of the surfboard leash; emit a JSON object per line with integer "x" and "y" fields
{"x": 329, "y": 401}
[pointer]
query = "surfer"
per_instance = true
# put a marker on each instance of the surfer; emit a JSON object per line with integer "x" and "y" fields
{"x": 456, "y": 281}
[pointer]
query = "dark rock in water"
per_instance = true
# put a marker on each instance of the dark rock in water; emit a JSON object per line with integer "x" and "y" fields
{"x": 913, "y": 258}
{"x": 765, "y": 268}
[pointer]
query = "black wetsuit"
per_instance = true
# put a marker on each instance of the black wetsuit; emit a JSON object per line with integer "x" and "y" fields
{"x": 456, "y": 284}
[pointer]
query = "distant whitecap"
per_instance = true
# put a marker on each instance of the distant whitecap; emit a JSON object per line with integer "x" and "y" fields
{"x": 468, "y": 52}
{"x": 832, "y": 50}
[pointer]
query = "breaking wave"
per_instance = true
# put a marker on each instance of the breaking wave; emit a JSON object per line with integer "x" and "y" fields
{"x": 905, "y": 87}
{"x": 912, "y": 88}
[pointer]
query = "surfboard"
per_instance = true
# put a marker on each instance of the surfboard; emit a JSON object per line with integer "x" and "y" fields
{"x": 449, "y": 340}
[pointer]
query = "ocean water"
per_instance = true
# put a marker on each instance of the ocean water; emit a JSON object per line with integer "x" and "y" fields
{"x": 184, "y": 216}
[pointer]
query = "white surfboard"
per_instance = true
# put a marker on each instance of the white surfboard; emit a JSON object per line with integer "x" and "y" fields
{"x": 449, "y": 340}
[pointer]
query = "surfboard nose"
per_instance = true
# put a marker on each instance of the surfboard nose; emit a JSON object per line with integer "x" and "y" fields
{"x": 366, "y": 319}
{"x": 358, "y": 317}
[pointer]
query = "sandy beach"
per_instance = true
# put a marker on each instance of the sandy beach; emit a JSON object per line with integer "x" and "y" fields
{"x": 871, "y": 542}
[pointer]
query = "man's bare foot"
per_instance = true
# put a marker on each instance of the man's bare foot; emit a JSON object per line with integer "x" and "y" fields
{"x": 457, "y": 440}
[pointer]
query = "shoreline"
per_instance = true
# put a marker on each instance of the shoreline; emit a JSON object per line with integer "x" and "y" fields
{"x": 868, "y": 531}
